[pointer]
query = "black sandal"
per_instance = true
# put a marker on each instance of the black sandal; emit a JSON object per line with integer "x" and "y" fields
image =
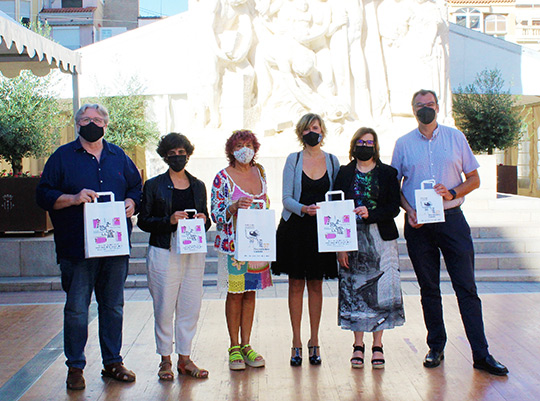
{"x": 296, "y": 359}
{"x": 356, "y": 361}
{"x": 314, "y": 357}
{"x": 377, "y": 363}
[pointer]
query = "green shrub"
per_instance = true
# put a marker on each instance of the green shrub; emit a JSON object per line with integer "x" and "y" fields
{"x": 486, "y": 114}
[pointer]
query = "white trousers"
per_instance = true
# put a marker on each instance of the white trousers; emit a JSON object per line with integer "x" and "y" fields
{"x": 176, "y": 285}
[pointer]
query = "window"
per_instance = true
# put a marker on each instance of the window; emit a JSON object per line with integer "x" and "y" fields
{"x": 71, "y": 3}
{"x": 26, "y": 9}
{"x": 495, "y": 24}
{"x": 8, "y": 7}
{"x": 469, "y": 18}
{"x": 67, "y": 36}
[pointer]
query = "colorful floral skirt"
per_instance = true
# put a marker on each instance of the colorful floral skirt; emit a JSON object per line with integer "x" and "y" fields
{"x": 238, "y": 277}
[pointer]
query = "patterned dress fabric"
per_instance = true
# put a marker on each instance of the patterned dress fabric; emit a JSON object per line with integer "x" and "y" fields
{"x": 370, "y": 290}
{"x": 233, "y": 275}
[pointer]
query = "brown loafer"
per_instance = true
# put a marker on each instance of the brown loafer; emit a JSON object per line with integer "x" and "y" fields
{"x": 75, "y": 379}
{"x": 118, "y": 371}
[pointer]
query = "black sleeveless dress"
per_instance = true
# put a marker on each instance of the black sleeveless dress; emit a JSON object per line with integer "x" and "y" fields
{"x": 297, "y": 245}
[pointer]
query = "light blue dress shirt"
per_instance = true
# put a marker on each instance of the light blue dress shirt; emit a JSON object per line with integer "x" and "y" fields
{"x": 442, "y": 158}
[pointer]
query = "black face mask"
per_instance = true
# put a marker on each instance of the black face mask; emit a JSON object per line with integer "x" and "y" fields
{"x": 363, "y": 153}
{"x": 426, "y": 115}
{"x": 91, "y": 132}
{"x": 312, "y": 138}
{"x": 177, "y": 162}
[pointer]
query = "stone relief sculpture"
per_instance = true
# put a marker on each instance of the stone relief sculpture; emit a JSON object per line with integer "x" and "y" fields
{"x": 415, "y": 42}
{"x": 265, "y": 62}
{"x": 394, "y": 18}
{"x": 224, "y": 52}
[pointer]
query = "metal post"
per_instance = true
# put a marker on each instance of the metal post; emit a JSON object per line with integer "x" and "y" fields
{"x": 76, "y": 98}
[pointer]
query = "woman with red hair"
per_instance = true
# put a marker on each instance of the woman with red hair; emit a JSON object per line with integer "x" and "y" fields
{"x": 235, "y": 187}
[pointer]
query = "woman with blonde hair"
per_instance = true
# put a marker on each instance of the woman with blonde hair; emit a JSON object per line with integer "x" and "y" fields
{"x": 307, "y": 176}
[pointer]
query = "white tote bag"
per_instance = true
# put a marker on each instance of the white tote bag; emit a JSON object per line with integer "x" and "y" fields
{"x": 429, "y": 204}
{"x": 255, "y": 234}
{"x": 191, "y": 235}
{"x": 336, "y": 224}
{"x": 105, "y": 228}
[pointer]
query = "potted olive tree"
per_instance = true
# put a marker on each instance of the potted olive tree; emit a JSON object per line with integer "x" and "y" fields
{"x": 128, "y": 126}
{"x": 30, "y": 123}
{"x": 490, "y": 119}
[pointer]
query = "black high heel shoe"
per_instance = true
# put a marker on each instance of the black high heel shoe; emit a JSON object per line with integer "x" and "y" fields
{"x": 314, "y": 357}
{"x": 296, "y": 359}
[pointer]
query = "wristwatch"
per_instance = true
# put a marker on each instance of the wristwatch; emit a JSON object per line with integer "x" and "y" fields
{"x": 453, "y": 193}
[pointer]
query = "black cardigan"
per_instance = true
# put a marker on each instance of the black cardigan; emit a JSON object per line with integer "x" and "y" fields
{"x": 387, "y": 202}
{"x": 156, "y": 208}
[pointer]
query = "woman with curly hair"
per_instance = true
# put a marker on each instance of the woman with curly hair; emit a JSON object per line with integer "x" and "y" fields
{"x": 175, "y": 281}
{"x": 235, "y": 187}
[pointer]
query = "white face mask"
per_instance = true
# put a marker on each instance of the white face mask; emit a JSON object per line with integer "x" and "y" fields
{"x": 244, "y": 155}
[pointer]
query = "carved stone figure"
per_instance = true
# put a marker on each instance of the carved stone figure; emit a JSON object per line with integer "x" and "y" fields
{"x": 265, "y": 62}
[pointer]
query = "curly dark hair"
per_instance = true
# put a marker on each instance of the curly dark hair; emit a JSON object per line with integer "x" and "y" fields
{"x": 174, "y": 140}
{"x": 237, "y": 136}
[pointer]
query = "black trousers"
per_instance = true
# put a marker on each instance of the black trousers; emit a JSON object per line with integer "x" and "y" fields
{"x": 453, "y": 239}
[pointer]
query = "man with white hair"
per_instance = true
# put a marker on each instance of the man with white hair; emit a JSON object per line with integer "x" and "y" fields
{"x": 72, "y": 176}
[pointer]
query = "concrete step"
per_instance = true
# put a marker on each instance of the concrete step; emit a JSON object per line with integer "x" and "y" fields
{"x": 138, "y": 265}
{"x": 139, "y": 236}
{"x": 491, "y": 261}
{"x": 494, "y": 245}
{"x": 52, "y": 283}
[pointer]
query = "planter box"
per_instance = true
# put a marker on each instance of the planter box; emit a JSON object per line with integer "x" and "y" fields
{"x": 507, "y": 179}
{"x": 18, "y": 208}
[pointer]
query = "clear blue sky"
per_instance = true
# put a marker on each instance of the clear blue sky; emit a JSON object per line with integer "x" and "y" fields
{"x": 162, "y": 7}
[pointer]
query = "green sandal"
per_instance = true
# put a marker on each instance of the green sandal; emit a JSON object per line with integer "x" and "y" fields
{"x": 250, "y": 358}
{"x": 236, "y": 360}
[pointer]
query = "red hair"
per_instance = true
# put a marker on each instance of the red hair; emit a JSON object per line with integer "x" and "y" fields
{"x": 242, "y": 135}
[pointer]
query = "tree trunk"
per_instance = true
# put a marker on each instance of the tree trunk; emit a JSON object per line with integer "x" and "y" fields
{"x": 16, "y": 166}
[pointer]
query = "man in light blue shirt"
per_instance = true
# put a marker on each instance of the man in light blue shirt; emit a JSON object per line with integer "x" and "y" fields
{"x": 436, "y": 152}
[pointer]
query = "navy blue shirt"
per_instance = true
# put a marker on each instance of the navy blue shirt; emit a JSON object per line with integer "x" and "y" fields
{"x": 69, "y": 170}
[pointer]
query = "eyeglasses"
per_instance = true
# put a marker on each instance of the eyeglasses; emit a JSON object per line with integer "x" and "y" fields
{"x": 96, "y": 120}
{"x": 419, "y": 105}
{"x": 361, "y": 142}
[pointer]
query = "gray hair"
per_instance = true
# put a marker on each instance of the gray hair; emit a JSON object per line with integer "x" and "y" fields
{"x": 103, "y": 112}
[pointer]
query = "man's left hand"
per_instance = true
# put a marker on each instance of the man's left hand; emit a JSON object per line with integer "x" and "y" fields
{"x": 443, "y": 191}
{"x": 130, "y": 207}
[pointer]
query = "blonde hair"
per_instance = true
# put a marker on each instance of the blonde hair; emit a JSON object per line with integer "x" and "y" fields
{"x": 304, "y": 124}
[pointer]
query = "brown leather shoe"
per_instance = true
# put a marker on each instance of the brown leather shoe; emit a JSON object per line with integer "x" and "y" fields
{"x": 118, "y": 371}
{"x": 75, "y": 379}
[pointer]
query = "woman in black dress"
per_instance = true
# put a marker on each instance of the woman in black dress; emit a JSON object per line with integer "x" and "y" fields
{"x": 307, "y": 176}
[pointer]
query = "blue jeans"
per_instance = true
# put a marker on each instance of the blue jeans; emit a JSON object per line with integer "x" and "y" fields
{"x": 453, "y": 239}
{"x": 106, "y": 276}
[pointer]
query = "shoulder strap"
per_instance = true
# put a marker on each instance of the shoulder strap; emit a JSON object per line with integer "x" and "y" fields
{"x": 333, "y": 166}
{"x": 297, "y": 158}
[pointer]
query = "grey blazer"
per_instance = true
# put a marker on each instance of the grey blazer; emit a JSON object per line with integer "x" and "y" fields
{"x": 292, "y": 181}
